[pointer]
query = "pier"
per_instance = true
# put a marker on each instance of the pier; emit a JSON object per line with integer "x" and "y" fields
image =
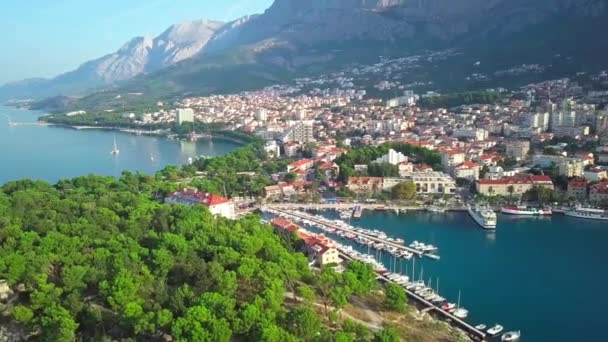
{"x": 397, "y": 246}
{"x": 357, "y": 212}
{"x": 429, "y": 307}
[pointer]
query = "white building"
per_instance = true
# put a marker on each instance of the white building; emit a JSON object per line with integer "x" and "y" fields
{"x": 392, "y": 157}
{"x": 261, "y": 115}
{"x": 301, "y": 132}
{"x": 466, "y": 170}
{"x": 272, "y": 149}
{"x": 433, "y": 183}
{"x": 217, "y": 205}
{"x": 185, "y": 115}
{"x": 477, "y": 134}
{"x": 538, "y": 120}
{"x": 451, "y": 158}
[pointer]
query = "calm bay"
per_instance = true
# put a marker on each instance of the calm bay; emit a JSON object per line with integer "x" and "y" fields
{"x": 50, "y": 153}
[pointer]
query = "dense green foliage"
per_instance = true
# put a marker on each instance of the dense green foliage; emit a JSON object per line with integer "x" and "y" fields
{"x": 395, "y": 297}
{"x": 366, "y": 155}
{"x": 542, "y": 195}
{"x": 459, "y": 99}
{"x": 242, "y": 172}
{"x": 404, "y": 191}
{"x": 98, "y": 257}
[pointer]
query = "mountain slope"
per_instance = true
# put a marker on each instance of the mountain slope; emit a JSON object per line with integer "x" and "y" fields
{"x": 139, "y": 55}
{"x": 299, "y": 37}
{"x": 305, "y": 36}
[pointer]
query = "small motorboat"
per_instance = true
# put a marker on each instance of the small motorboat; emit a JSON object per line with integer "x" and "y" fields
{"x": 481, "y": 327}
{"x": 495, "y": 330}
{"x": 511, "y": 336}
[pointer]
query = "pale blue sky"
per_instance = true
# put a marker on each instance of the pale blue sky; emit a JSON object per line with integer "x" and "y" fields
{"x": 42, "y": 38}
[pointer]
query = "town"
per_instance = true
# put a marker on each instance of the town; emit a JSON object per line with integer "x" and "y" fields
{"x": 552, "y": 134}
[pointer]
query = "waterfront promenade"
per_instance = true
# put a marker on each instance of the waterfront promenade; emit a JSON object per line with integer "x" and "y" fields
{"x": 351, "y": 206}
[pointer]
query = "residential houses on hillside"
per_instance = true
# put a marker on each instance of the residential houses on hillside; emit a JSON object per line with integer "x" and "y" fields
{"x": 320, "y": 250}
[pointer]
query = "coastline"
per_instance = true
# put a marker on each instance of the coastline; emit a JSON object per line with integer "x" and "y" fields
{"x": 160, "y": 132}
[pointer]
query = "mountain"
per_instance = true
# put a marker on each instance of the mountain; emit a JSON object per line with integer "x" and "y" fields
{"x": 307, "y": 36}
{"x": 302, "y": 37}
{"x": 138, "y": 56}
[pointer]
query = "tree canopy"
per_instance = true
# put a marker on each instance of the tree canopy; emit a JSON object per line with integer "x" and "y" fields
{"x": 98, "y": 258}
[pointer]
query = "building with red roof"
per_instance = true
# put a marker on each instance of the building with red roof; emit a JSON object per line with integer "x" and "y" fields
{"x": 577, "y": 189}
{"x": 519, "y": 184}
{"x": 217, "y": 204}
{"x": 466, "y": 170}
{"x": 598, "y": 193}
{"x": 365, "y": 184}
{"x": 301, "y": 165}
{"x": 319, "y": 248}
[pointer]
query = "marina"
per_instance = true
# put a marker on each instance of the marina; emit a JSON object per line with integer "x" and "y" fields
{"x": 499, "y": 285}
{"x": 423, "y": 294}
{"x": 372, "y": 239}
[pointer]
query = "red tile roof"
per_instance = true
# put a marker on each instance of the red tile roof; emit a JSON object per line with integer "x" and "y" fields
{"x": 300, "y": 163}
{"x": 517, "y": 179}
{"x": 365, "y": 180}
{"x": 601, "y": 188}
{"x": 467, "y": 165}
{"x": 199, "y": 197}
{"x": 578, "y": 183}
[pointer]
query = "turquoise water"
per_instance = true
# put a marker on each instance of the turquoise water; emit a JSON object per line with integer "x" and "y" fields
{"x": 543, "y": 276}
{"x": 51, "y": 153}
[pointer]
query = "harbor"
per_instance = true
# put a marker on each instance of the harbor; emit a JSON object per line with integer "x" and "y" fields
{"x": 373, "y": 240}
{"x": 514, "y": 274}
{"x": 424, "y": 294}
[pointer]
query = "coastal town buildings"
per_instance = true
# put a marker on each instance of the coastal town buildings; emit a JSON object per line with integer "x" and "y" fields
{"x": 217, "y": 205}
{"x": 392, "y": 157}
{"x": 518, "y": 149}
{"x": 185, "y": 115}
{"x": 598, "y": 193}
{"x": 515, "y": 185}
{"x": 320, "y": 250}
{"x": 577, "y": 189}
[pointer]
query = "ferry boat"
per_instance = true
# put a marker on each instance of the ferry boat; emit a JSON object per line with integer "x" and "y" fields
{"x": 588, "y": 213}
{"x": 484, "y": 216}
{"x": 523, "y": 210}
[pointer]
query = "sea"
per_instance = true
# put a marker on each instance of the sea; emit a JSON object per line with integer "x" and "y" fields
{"x": 543, "y": 276}
{"x": 51, "y": 153}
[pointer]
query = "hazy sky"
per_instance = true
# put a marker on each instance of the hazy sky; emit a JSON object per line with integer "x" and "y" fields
{"x": 42, "y": 38}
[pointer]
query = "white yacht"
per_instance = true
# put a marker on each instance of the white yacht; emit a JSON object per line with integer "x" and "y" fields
{"x": 588, "y": 213}
{"x": 483, "y": 215}
{"x": 495, "y": 330}
{"x": 115, "y": 150}
{"x": 480, "y": 327}
{"x": 522, "y": 210}
{"x": 511, "y": 336}
{"x": 460, "y": 312}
